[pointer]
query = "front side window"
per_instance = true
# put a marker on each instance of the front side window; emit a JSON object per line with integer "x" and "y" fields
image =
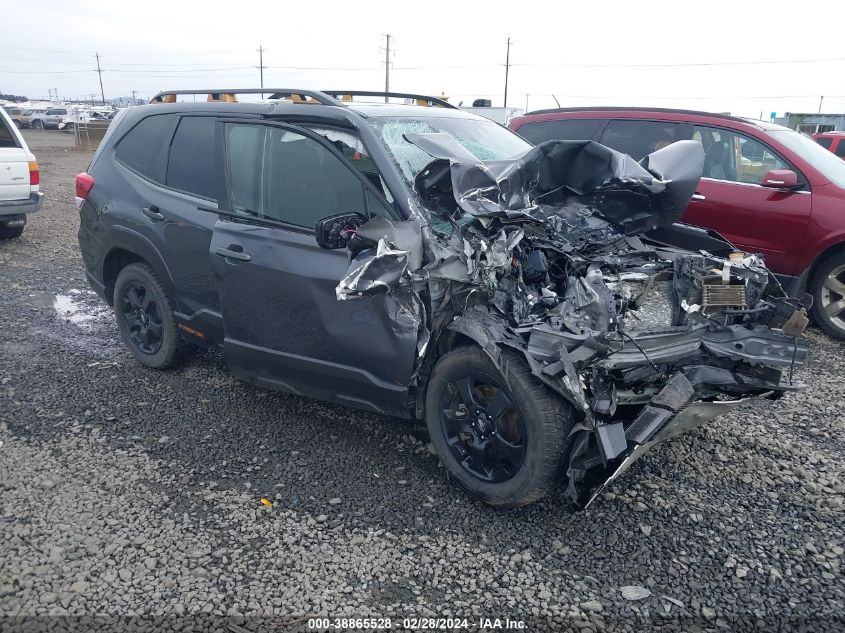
{"x": 732, "y": 156}
{"x": 352, "y": 147}
{"x": 142, "y": 147}
{"x": 190, "y": 167}
{"x": 279, "y": 175}
{"x": 824, "y": 141}
{"x": 639, "y": 138}
{"x": 840, "y": 148}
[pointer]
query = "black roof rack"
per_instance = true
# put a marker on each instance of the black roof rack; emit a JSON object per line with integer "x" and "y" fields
{"x": 636, "y": 109}
{"x": 322, "y": 97}
{"x": 425, "y": 99}
{"x": 218, "y": 94}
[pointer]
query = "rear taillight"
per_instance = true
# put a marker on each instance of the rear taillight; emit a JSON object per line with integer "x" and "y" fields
{"x": 84, "y": 185}
{"x": 34, "y": 174}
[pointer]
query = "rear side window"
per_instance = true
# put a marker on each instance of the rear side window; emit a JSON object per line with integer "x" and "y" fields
{"x": 144, "y": 145}
{"x": 824, "y": 142}
{"x": 562, "y": 129}
{"x": 191, "y": 166}
{"x": 840, "y": 148}
{"x": 639, "y": 138}
{"x": 7, "y": 137}
{"x": 56, "y": 112}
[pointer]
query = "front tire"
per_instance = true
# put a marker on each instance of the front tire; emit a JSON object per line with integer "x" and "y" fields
{"x": 500, "y": 434}
{"x": 144, "y": 315}
{"x": 828, "y": 288}
{"x": 36, "y": 125}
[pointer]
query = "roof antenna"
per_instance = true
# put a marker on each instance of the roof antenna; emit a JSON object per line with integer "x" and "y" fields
{"x": 556, "y": 101}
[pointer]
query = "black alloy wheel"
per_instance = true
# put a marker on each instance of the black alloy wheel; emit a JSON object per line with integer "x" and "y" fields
{"x": 141, "y": 314}
{"x": 483, "y": 427}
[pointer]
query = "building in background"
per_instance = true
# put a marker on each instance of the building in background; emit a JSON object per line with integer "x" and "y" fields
{"x": 812, "y": 123}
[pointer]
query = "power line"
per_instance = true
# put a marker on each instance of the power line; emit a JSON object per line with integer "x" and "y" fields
{"x": 690, "y": 64}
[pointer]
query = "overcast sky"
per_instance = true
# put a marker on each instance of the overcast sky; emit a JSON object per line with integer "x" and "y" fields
{"x": 659, "y": 53}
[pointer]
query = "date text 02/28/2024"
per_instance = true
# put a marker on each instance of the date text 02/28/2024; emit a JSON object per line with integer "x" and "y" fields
{"x": 418, "y": 624}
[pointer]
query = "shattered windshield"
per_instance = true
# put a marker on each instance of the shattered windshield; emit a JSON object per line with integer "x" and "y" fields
{"x": 485, "y": 139}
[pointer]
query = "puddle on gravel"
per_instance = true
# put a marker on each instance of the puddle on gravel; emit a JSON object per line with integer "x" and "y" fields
{"x": 80, "y": 307}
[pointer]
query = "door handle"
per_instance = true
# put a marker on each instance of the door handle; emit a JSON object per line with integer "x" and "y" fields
{"x": 231, "y": 253}
{"x": 153, "y": 213}
{"x": 698, "y": 196}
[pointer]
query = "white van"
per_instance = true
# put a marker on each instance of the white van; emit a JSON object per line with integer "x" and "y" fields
{"x": 19, "y": 179}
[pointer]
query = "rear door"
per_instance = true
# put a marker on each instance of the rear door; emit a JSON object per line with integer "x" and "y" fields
{"x": 284, "y": 327}
{"x": 174, "y": 178}
{"x": 14, "y": 165}
{"x": 730, "y": 199}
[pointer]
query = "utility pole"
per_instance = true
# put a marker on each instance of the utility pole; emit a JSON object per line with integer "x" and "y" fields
{"x": 92, "y": 95}
{"x": 261, "y": 66}
{"x": 134, "y": 92}
{"x": 507, "y": 68}
{"x": 387, "y": 67}
{"x": 100, "y": 73}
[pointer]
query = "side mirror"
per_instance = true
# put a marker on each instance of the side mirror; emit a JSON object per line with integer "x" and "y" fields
{"x": 334, "y": 231}
{"x": 780, "y": 179}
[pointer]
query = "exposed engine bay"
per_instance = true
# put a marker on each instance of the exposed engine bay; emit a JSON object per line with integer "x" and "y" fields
{"x": 570, "y": 255}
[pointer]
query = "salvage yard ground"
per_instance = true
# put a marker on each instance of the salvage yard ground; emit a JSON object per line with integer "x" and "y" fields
{"x": 131, "y": 491}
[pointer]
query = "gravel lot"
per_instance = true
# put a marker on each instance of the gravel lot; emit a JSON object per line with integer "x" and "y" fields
{"x": 127, "y": 491}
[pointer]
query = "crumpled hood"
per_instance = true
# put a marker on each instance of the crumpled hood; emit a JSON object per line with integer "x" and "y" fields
{"x": 559, "y": 175}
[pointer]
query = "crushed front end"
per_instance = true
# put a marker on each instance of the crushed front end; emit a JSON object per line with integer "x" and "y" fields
{"x": 567, "y": 254}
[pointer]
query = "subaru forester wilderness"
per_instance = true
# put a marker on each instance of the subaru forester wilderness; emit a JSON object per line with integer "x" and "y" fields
{"x": 538, "y": 307}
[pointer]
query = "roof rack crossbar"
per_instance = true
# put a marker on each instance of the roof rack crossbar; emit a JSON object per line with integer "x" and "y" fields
{"x": 274, "y": 93}
{"x": 432, "y": 101}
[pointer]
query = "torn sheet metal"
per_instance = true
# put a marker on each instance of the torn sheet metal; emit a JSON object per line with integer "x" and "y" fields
{"x": 549, "y": 254}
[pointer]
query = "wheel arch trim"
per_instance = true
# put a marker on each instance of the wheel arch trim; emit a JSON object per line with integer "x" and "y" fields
{"x": 128, "y": 240}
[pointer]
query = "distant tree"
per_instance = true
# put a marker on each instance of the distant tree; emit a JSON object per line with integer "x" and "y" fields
{"x": 12, "y": 97}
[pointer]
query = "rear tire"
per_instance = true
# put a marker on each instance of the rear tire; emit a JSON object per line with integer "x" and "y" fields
{"x": 144, "y": 314}
{"x": 532, "y": 426}
{"x": 10, "y": 232}
{"x": 828, "y": 289}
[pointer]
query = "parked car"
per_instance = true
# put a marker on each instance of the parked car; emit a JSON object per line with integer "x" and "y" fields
{"x": 766, "y": 188}
{"x": 24, "y": 118}
{"x": 406, "y": 260}
{"x": 832, "y": 141}
{"x": 19, "y": 180}
{"x": 50, "y": 119}
{"x": 15, "y": 114}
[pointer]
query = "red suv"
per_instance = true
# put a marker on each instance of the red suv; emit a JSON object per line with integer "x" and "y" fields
{"x": 833, "y": 141}
{"x": 766, "y": 188}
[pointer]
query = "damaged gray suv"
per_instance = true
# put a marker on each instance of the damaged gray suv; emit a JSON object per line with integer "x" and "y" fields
{"x": 538, "y": 307}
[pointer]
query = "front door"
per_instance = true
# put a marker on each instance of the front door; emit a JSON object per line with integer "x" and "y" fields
{"x": 730, "y": 199}
{"x": 284, "y": 327}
